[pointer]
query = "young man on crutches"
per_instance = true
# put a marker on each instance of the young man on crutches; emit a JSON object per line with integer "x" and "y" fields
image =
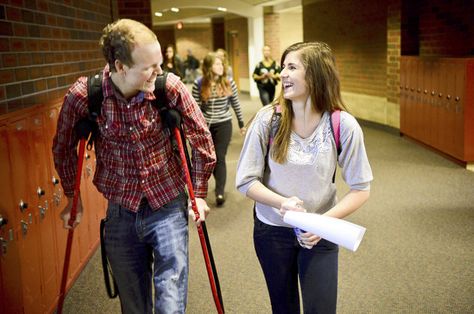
{"x": 137, "y": 171}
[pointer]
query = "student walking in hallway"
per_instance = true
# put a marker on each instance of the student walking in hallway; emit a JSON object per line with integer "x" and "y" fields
{"x": 288, "y": 162}
{"x": 215, "y": 94}
{"x": 146, "y": 228}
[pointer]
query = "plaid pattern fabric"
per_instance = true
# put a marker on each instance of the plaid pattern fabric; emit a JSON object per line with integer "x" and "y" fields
{"x": 135, "y": 158}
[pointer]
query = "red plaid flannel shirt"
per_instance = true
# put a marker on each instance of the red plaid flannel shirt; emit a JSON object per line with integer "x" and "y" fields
{"x": 135, "y": 158}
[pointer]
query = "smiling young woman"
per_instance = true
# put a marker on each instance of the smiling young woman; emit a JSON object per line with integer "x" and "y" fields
{"x": 295, "y": 172}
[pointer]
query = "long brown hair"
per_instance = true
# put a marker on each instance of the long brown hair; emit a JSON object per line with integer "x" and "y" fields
{"x": 322, "y": 79}
{"x": 223, "y": 87}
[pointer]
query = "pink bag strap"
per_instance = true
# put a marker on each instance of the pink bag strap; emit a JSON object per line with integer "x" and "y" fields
{"x": 336, "y": 129}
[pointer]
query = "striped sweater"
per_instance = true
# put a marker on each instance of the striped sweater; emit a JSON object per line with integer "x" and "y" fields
{"x": 217, "y": 109}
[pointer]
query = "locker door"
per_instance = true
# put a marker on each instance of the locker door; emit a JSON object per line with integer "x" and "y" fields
{"x": 403, "y": 104}
{"x": 443, "y": 118}
{"x": 436, "y": 124}
{"x": 460, "y": 72}
{"x": 449, "y": 107}
{"x": 427, "y": 112}
{"x": 411, "y": 72}
{"x": 90, "y": 203}
{"x": 416, "y": 103}
{"x": 25, "y": 196}
{"x": 416, "y": 113}
{"x": 58, "y": 203}
{"x": 10, "y": 281}
{"x": 43, "y": 212}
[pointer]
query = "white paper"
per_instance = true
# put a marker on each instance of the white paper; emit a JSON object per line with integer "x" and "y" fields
{"x": 339, "y": 231}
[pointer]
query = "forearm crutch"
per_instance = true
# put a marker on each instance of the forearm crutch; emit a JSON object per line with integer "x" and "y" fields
{"x": 174, "y": 124}
{"x": 81, "y": 132}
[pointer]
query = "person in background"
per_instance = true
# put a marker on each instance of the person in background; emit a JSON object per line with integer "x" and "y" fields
{"x": 267, "y": 76}
{"x": 222, "y": 54}
{"x": 191, "y": 65}
{"x": 295, "y": 171}
{"x": 172, "y": 63}
{"x": 146, "y": 227}
{"x": 215, "y": 93}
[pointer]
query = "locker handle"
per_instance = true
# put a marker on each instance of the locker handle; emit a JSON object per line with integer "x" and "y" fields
{"x": 24, "y": 227}
{"x": 412, "y": 89}
{"x": 42, "y": 211}
{"x": 432, "y": 93}
{"x": 425, "y": 91}
{"x": 440, "y": 95}
{"x": 448, "y": 97}
{"x": 4, "y": 244}
{"x": 418, "y": 90}
{"x": 457, "y": 98}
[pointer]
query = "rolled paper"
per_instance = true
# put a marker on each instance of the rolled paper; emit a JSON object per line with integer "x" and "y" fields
{"x": 339, "y": 231}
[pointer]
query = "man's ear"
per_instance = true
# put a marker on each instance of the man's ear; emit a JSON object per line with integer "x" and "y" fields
{"x": 119, "y": 66}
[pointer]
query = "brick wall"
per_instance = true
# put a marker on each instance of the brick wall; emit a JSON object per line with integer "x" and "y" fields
{"x": 393, "y": 50}
{"x": 45, "y": 46}
{"x": 446, "y": 28}
{"x": 357, "y": 32}
{"x": 271, "y": 32}
{"x": 139, "y": 10}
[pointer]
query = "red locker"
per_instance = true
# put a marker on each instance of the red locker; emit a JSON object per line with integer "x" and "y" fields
{"x": 24, "y": 196}
{"x": 10, "y": 291}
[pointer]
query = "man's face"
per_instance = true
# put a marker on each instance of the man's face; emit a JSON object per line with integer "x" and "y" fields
{"x": 147, "y": 60}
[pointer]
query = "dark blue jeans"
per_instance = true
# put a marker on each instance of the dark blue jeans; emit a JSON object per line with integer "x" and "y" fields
{"x": 149, "y": 247}
{"x": 283, "y": 260}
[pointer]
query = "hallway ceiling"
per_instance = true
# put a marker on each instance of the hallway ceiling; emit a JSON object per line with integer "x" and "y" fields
{"x": 201, "y": 11}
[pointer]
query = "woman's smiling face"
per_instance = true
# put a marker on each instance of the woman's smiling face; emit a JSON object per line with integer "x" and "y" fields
{"x": 293, "y": 77}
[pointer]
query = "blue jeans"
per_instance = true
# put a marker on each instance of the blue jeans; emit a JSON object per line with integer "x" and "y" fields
{"x": 282, "y": 260}
{"x": 145, "y": 245}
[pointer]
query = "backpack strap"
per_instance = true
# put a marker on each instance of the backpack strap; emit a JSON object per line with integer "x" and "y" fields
{"x": 336, "y": 133}
{"x": 160, "y": 102}
{"x": 95, "y": 98}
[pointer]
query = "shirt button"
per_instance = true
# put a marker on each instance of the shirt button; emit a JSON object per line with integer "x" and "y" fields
{"x": 128, "y": 106}
{"x": 143, "y": 181}
{"x": 131, "y": 128}
{"x": 152, "y": 120}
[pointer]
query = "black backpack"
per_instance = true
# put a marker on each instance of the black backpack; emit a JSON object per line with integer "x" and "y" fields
{"x": 95, "y": 98}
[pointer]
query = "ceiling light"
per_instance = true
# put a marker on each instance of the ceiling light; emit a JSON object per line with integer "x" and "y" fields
{"x": 222, "y": 9}
{"x": 159, "y": 14}
{"x": 175, "y": 10}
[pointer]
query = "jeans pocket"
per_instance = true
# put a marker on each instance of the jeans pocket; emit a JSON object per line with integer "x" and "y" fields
{"x": 113, "y": 211}
{"x": 177, "y": 204}
{"x": 260, "y": 229}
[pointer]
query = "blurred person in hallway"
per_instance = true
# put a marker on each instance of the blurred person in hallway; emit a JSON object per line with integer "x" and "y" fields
{"x": 288, "y": 162}
{"x": 146, "y": 226}
{"x": 172, "y": 62}
{"x": 215, "y": 93}
{"x": 222, "y": 54}
{"x": 191, "y": 65}
{"x": 267, "y": 75}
